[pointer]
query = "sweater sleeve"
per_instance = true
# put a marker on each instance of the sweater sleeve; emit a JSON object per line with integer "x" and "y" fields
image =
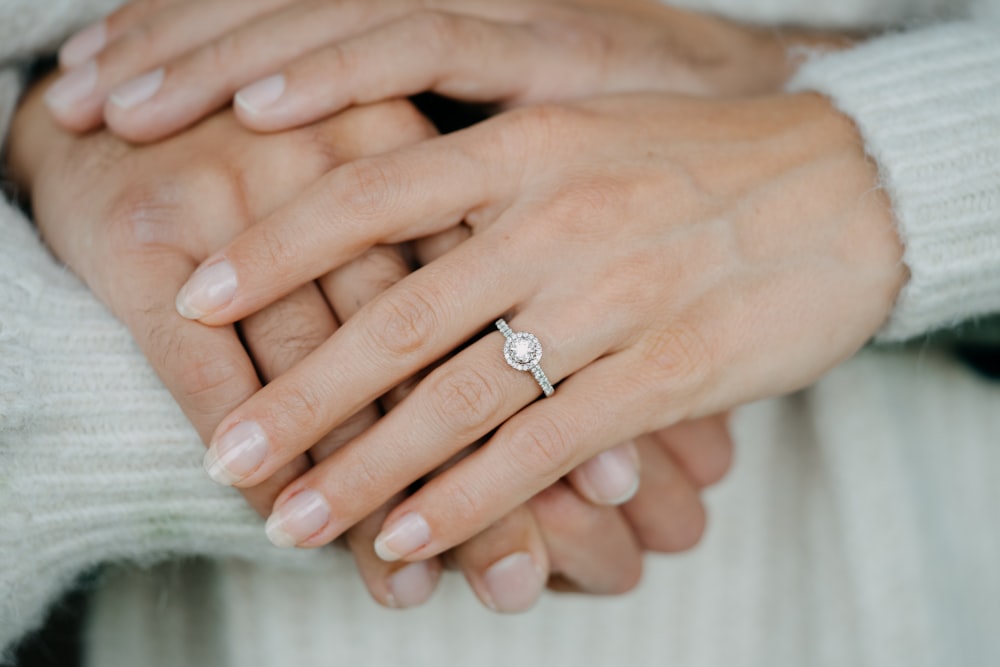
{"x": 97, "y": 463}
{"x": 927, "y": 103}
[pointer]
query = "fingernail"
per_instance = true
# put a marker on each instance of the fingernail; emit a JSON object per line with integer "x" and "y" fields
{"x": 613, "y": 475}
{"x": 403, "y": 537}
{"x": 514, "y": 583}
{"x": 297, "y": 519}
{"x": 236, "y": 453}
{"x": 210, "y": 288}
{"x": 72, "y": 87}
{"x": 261, "y": 94}
{"x": 411, "y": 586}
{"x": 83, "y": 45}
{"x": 138, "y": 90}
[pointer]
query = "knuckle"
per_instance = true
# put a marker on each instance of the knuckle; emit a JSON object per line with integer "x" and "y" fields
{"x": 369, "y": 188}
{"x": 437, "y": 29}
{"x": 224, "y": 54}
{"x": 543, "y": 447}
{"x": 465, "y": 506}
{"x": 144, "y": 217}
{"x": 680, "y": 357}
{"x": 205, "y": 381}
{"x": 402, "y": 322}
{"x": 465, "y": 401}
{"x": 142, "y": 37}
{"x": 300, "y": 407}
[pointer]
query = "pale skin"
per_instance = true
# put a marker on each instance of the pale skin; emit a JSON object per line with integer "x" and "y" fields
{"x": 133, "y": 223}
{"x": 677, "y": 257}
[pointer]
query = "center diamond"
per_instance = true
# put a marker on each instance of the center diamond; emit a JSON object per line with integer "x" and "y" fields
{"x": 522, "y": 351}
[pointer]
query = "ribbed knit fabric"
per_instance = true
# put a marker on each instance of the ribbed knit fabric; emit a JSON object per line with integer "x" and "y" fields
{"x": 928, "y": 106}
{"x": 858, "y": 527}
{"x": 97, "y": 463}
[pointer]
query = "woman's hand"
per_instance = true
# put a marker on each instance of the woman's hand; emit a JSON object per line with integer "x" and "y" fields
{"x": 153, "y": 68}
{"x": 675, "y": 258}
{"x": 133, "y": 222}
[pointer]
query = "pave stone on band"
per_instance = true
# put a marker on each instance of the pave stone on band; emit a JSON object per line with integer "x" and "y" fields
{"x": 523, "y": 352}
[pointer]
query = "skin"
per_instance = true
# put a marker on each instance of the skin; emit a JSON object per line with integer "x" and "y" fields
{"x": 513, "y": 53}
{"x": 133, "y": 222}
{"x": 774, "y": 259}
{"x": 681, "y": 256}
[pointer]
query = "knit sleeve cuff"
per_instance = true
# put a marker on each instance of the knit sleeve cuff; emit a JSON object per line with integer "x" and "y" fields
{"x": 927, "y": 104}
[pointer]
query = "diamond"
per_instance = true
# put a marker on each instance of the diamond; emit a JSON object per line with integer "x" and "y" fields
{"x": 522, "y": 351}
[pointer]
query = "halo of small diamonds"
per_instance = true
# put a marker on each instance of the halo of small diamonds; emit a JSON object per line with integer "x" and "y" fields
{"x": 522, "y": 351}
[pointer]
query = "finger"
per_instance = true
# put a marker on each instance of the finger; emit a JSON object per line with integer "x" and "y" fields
{"x": 413, "y": 192}
{"x": 206, "y": 78}
{"x": 77, "y": 98}
{"x": 412, "y": 54}
{"x": 455, "y": 405}
{"x": 422, "y": 318}
{"x": 506, "y": 565}
{"x": 611, "y": 477}
{"x": 528, "y": 453}
{"x": 592, "y": 549}
{"x": 393, "y": 585}
{"x": 207, "y": 371}
{"x": 88, "y": 42}
{"x": 703, "y": 448}
{"x": 666, "y": 514}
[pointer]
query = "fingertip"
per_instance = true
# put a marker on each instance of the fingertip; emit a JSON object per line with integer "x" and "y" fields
{"x": 83, "y": 45}
{"x": 610, "y": 478}
{"x": 413, "y": 584}
{"x": 256, "y": 98}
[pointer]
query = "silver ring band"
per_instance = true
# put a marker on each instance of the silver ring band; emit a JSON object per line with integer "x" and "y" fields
{"x": 523, "y": 352}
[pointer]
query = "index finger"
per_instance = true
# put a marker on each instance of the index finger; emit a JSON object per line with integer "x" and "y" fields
{"x": 399, "y": 196}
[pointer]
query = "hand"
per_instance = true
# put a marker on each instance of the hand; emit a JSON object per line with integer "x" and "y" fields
{"x": 193, "y": 56}
{"x": 126, "y": 220}
{"x": 675, "y": 257}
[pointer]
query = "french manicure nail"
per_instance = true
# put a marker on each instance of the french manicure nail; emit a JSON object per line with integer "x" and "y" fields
{"x": 210, "y": 288}
{"x": 403, "y": 537}
{"x": 84, "y": 45}
{"x": 411, "y": 586}
{"x": 514, "y": 583}
{"x": 138, "y": 90}
{"x": 613, "y": 475}
{"x": 236, "y": 453}
{"x": 261, "y": 94}
{"x": 297, "y": 519}
{"x": 72, "y": 87}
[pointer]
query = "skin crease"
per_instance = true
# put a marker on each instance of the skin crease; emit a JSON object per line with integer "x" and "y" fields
{"x": 82, "y": 186}
{"x": 724, "y": 291}
{"x": 776, "y": 259}
{"x": 514, "y": 52}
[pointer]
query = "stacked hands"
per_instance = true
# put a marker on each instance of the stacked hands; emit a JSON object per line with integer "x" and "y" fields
{"x": 681, "y": 237}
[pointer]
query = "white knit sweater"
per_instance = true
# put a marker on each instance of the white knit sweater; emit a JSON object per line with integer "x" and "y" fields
{"x": 858, "y": 527}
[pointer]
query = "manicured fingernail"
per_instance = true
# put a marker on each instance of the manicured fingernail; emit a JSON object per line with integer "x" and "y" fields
{"x": 261, "y": 94}
{"x": 403, "y": 537}
{"x": 209, "y": 289}
{"x": 72, "y": 87}
{"x": 514, "y": 583}
{"x": 135, "y": 92}
{"x": 236, "y": 453}
{"x": 297, "y": 519}
{"x": 412, "y": 585}
{"x": 83, "y": 45}
{"x": 613, "y": 476}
